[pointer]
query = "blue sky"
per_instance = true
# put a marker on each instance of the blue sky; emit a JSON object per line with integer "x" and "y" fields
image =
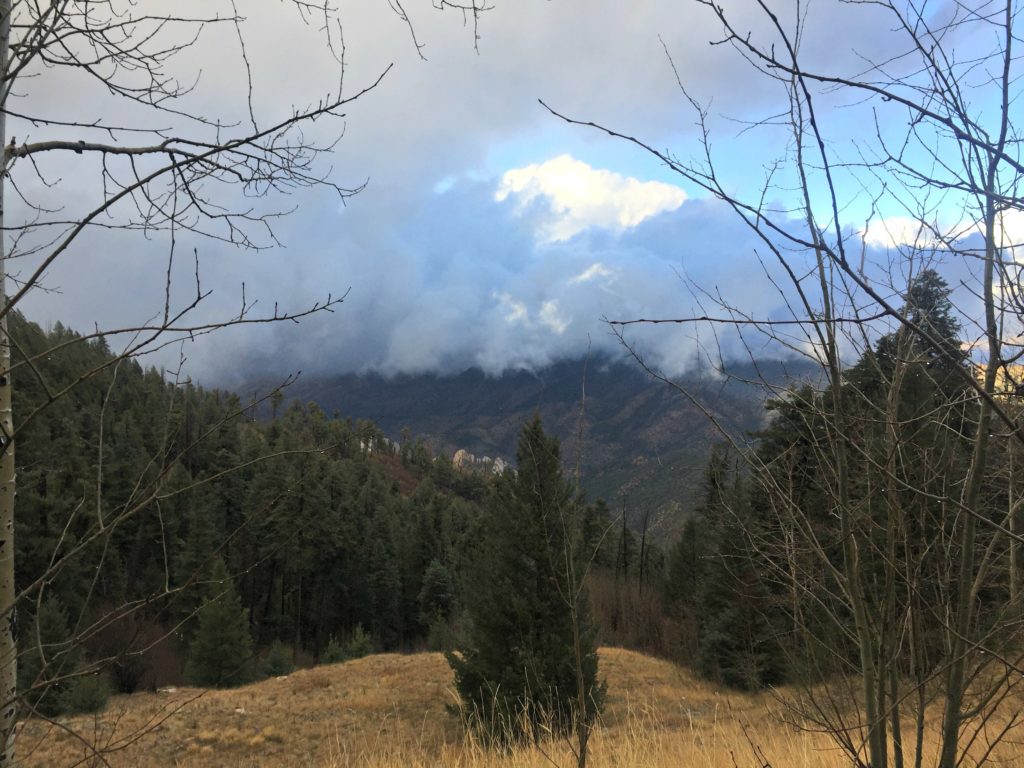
{"x": 489, "y": 233}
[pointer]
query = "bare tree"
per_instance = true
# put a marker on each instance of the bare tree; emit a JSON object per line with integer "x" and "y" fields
{"x": 904, "y": 560}
{"x": 168, "y": 170}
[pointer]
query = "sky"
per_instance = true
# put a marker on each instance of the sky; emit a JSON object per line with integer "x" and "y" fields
{"x": 489, "y": 232}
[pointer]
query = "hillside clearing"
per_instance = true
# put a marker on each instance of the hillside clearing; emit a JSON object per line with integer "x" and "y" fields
{"x": 390, "y": 710}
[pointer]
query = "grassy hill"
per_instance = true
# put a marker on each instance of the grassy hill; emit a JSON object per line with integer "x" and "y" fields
{"x": 389, "y": 711}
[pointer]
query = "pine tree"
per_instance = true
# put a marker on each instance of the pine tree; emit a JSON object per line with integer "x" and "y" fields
{"x": 278, "y": 660}
{"x": 933, "y": 373}
{"x": 685, "y": 565}
{"x": 437, "y": 597}
{"x": 718, "y": 575}
{"x": 48, "y": 659}
{"x": 523, "y": 662}
{"x": 221, "y": 651}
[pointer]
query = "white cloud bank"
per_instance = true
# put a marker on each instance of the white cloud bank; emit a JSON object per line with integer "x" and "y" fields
{"x": 581, "y": 197}
{"x": 896, "y": 231}
{"x": 903, "y": 231}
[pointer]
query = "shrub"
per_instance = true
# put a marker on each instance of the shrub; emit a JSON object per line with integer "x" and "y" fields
{"x": 334, "y": 653}
{"x": 86, "y": 694}
{"x": 278, "y": 660}
{"x": 359, "y": 645}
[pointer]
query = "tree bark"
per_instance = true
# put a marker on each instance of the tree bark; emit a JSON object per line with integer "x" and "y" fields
{"x": 8, "y": 641}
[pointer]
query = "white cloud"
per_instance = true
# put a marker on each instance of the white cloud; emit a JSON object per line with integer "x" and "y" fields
{"x": 896, "y": 231}
{"x": 581, "y": 197}
{"x": 1011, "y": 232}
{"x": 593, "y": 272}
{"x": 515, "y": 311}
{"x": 551, "y": 316}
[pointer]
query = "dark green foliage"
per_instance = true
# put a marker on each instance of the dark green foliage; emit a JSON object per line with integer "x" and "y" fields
{"x": 221, "y": 651}
{"x": 51, "y": 672}
{"x": 906, "y": 422}
{"x": 683, "y": 577}
{"x": 441, "y": 637}
{"x": 359, "y": 645}
{"x": 321, "y": 535}
{"x": 715, "y": 587}
{"x": 598, "y": 534}
{"x": 922, "y": 376}
{"x": 737, "y": 642}
{"x": 686, "y": 565}
{"x": 437, "y": 597}
{"x": 334, "y": 653}
{"x": 526, "y": 650}
{"x": 87, "y": 693}
{"x": 48, "y": 660}
{"x": 278, "y": 660}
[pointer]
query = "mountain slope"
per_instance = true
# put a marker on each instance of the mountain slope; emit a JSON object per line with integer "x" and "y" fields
{"x": 644, "y": 444}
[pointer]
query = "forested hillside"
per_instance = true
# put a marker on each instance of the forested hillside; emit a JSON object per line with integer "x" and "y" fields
{"x": 643, "y": 445}
{"x": 843, "y": 539}
{"x": 173, "y": 533}
{"x": 135, "y": 488}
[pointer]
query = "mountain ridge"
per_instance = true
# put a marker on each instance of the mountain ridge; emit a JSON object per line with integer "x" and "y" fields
{"x": 644, "y": 444}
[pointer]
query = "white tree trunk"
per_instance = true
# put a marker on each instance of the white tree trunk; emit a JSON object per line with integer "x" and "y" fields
{"x": 8, "y": 641}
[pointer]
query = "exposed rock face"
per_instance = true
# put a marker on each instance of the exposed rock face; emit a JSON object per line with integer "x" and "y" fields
{"x": 463, "y": 459}
{"x": 467, "y": 462}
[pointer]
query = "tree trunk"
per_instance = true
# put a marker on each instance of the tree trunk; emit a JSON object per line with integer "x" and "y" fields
{"x": 1011, "y": 447}
{"x": 965, "y": 610}
{"x": 8, "y": 641}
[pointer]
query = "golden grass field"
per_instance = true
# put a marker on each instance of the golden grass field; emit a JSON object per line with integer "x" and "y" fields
{"x": 389, "y": 711}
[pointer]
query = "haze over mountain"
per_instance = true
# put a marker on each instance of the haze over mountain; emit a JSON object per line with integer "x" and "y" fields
{"x": 644, "y": 444}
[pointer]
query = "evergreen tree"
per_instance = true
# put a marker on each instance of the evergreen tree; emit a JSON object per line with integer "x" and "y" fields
{"x": 221, "y": 651}
{"x": 686, "y": 566}
{"x": 51, "y": 668}
{"x": 278, "y": 660}
{"x": 932, "y": 376}
{"x": 48, "y": 659}
{"x": 715, "y": 587}
{"x": 907, "y": 419}
{"x": 529, "y": 651}
{"x": 437, "y": 597}
{"x": 737, "y": 642}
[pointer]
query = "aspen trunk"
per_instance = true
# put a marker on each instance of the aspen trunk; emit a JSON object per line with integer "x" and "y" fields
{"x": 8, "y": 642}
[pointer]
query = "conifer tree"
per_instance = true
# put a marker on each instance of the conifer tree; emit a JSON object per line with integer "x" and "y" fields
{"x": 437, "y": 597}
{"x": 48, "y": 659}
{"x": 278, "y": 660}
{"x": 715, "y": 586}
{"x": 221, "y": 651}
{"x": 529, "y": 653}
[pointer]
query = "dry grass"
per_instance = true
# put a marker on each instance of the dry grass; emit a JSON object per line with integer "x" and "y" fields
{"x": 389, "y": 711}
